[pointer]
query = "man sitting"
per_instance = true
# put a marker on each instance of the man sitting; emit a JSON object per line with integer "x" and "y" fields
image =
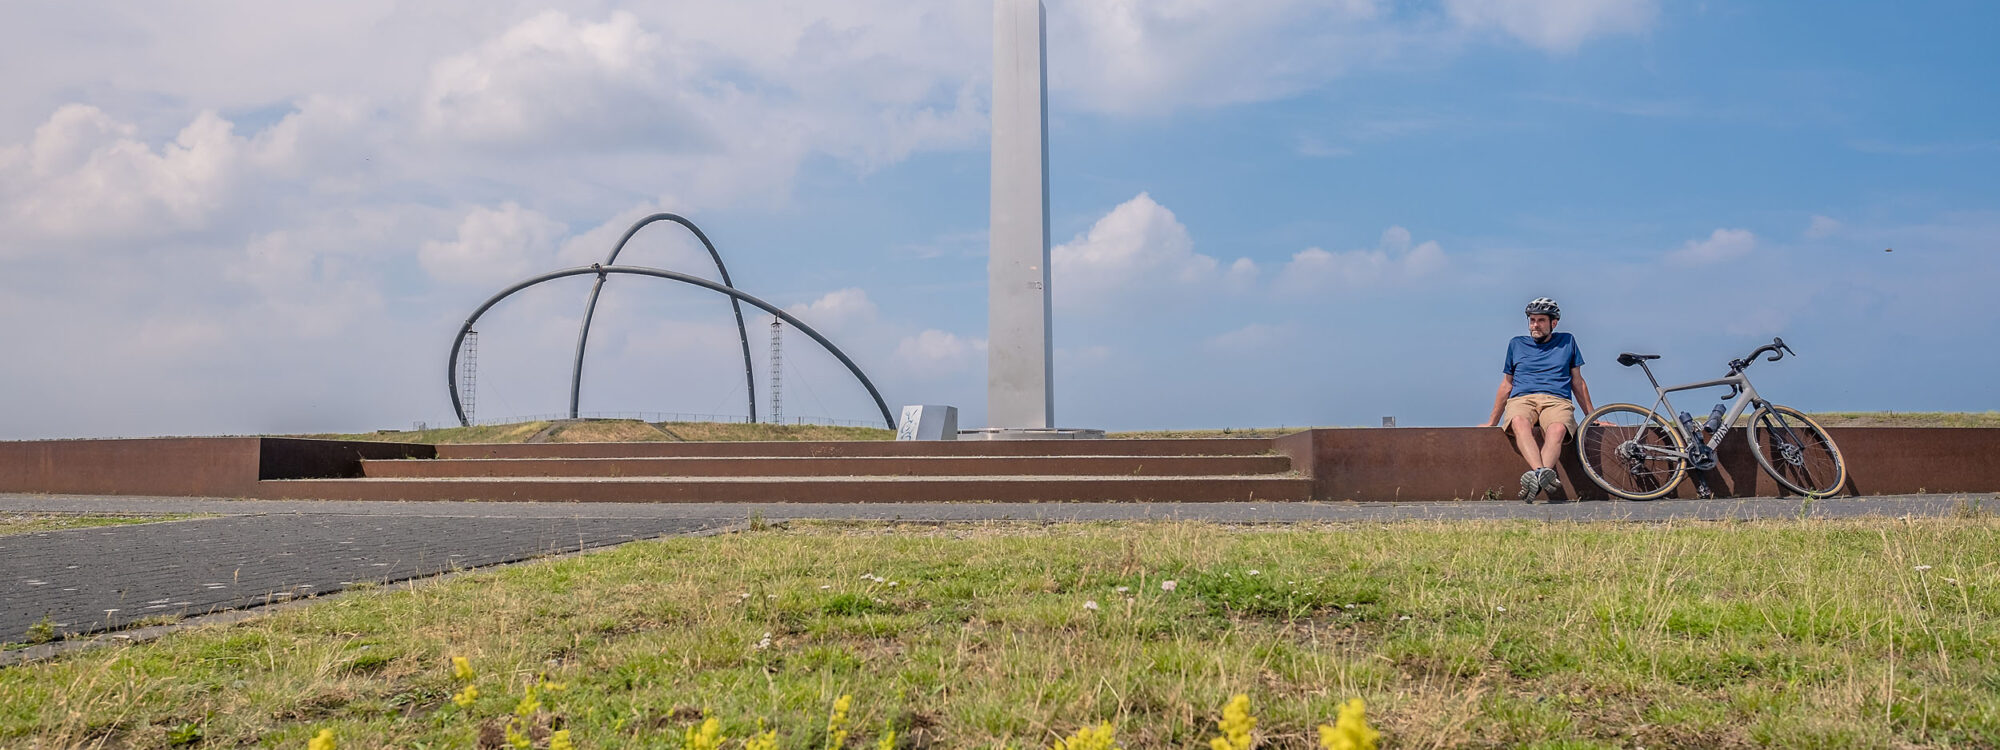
{"x": 1542, "y": 369}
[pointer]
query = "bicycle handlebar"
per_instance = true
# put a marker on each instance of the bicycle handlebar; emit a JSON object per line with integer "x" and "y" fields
{"x": 1777, "y": 349}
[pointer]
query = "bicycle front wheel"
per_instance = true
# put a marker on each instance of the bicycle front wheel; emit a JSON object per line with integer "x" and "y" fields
{"x": 1796, "y": 451}
{"x": 1631, "y": 452}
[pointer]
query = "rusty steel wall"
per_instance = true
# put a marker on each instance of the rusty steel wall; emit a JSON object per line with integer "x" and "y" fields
{"x": 1473, "y": 463}
{"x": 183, "y": 467}
{"x": 214, "y": 467}
{"x": 1364, "y": 464}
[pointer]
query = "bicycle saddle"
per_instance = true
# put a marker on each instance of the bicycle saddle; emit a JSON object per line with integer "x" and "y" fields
{"x": 1629, "y": 359}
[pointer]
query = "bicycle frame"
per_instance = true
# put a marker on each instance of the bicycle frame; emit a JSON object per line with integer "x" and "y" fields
{"x": 1741, "y": 382}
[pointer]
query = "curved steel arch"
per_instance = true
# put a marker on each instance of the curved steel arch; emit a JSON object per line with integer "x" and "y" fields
{"x": 590, "y": 310}
{"x": 451, "y": 368}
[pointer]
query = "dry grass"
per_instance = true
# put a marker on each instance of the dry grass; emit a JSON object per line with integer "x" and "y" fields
{"x": 1808, "y": 634}
{"x": 725, "y": 431}
{"x": 31, "y": 523}
{"x": 1230, "y": 432}
{"x": 620, "y": 431}
{"x": 631, "y": 430}
{"x": 500, "y": 433}
{"x": 1908, "y": 419}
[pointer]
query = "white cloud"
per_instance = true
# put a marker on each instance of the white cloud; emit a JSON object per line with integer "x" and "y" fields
{"x": 1393, "y": 261}
{"x": 551, "y": 77}
{"x": 837, "y": 310}
{"x": 1138, "y": 248}
{"x": 661, "y": 244}
{"x": 1559, "y": 26}
{"x": 934, "y": 353}
{"x": 85, "y": 176}
{"x": 1252, "y": 338}
{"x": 1822, "y": 227}
{"x": 1157, "y": 55}
{"x": 1721, "y": 245}
{"x": 494, "y": 246}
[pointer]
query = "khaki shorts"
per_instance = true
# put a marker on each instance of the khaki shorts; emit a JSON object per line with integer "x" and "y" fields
{"x": 1544, "y": 410}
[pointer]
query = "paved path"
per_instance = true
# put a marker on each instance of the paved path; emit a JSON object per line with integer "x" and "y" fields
{"x": 94, "y": 579}
{"x": 260, "y": 551}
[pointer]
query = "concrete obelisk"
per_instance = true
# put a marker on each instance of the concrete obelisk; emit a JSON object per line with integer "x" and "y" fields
{"x": 1018, "y": 362}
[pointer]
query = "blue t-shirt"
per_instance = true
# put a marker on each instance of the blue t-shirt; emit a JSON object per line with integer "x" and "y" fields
{"x": 1543, "y": 367}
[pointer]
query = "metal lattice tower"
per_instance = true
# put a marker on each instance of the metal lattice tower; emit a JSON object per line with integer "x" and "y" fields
{"x": 777, "y": 360}
{"x": 468, "y": 377}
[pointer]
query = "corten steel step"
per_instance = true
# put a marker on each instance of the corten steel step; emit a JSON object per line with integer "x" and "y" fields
{"x": 802, "y": 489}
{"x": 866, "y": 448}
{"x": 845, "y": 466}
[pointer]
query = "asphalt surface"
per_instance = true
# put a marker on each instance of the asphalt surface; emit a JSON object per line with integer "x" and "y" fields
{"x": 258, "y": 552}
{"x": 103, "y": 578}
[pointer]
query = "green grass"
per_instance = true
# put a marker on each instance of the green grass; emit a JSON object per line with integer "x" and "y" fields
{"x": 29, "y": 523}
{"x": 1805, "y": 634}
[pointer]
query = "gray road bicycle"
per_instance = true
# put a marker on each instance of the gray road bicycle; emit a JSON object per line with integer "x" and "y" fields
{"x": 1641, "y": 454}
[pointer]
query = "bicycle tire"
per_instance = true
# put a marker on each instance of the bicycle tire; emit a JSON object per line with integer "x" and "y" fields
{"x": 1797, "y": 452}
{"x": 1606, "y": 459}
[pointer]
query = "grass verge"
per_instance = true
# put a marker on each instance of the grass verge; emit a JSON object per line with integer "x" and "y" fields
{"x": 30, "y": 523}
{"x": 632, "y": 430}
{"x": 1776, "y": 634}
{"x": 618, "y": 431}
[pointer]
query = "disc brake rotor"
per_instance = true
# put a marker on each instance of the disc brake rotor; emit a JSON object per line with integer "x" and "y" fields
{"x": 1792, "y": 454}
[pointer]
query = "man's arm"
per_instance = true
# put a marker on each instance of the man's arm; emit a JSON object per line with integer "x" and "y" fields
{"x": 1582, "y": 389}
{"x": 1500, "y": 399}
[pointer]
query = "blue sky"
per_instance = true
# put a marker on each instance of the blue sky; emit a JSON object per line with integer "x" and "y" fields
{"x": 1277, "y": 213}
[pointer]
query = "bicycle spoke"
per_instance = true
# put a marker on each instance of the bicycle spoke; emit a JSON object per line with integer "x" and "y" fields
{"x": 1797, "y": 453}
{"x": 1630, "y": 452}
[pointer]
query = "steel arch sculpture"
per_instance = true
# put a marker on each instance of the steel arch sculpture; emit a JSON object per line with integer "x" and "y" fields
{"x": 451, "y": 369}
{"x": 590, "y": 310}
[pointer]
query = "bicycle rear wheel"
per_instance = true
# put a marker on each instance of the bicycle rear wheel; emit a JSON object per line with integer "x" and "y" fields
{"x": 1631, "y": 452}
{"x": 1796, "y": 451}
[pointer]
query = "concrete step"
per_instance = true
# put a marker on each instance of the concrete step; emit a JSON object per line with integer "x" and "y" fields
{"x": 935, "y": 466}
{"x": 861, "y": 449}
{"x": 800, "y": 489}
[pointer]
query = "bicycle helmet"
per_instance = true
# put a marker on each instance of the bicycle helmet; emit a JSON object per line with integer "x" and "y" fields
{"x": 1545, "y": 306}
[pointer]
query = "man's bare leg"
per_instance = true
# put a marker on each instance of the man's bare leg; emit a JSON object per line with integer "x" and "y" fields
{"x": 1524, "y": 439}
{"x": 1552, "y": 445}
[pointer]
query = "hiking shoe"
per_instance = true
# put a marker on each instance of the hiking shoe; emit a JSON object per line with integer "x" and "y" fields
{"x": 1531, "y": 485}
{"x": 1550, "y": 481}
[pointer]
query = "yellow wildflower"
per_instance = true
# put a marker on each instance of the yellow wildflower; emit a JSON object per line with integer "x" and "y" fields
{"x": 888, "y": 741}
{"x": 462, "y": 669}
{"x": 1236, "y": 725}
{"x": 515, "y": 738}
{"x": 1351, "y": 732}
{"x": 762, "y": 740}
{"x": 465, "y": 697}
{"x": 836, "y": 724}
{"x": 322, "y": 741}
{"x": 560, "y": 741}
{"x": 707, "y": 737}
{"x": 530, "y": 703}
{"x": 1090, "y": 738}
